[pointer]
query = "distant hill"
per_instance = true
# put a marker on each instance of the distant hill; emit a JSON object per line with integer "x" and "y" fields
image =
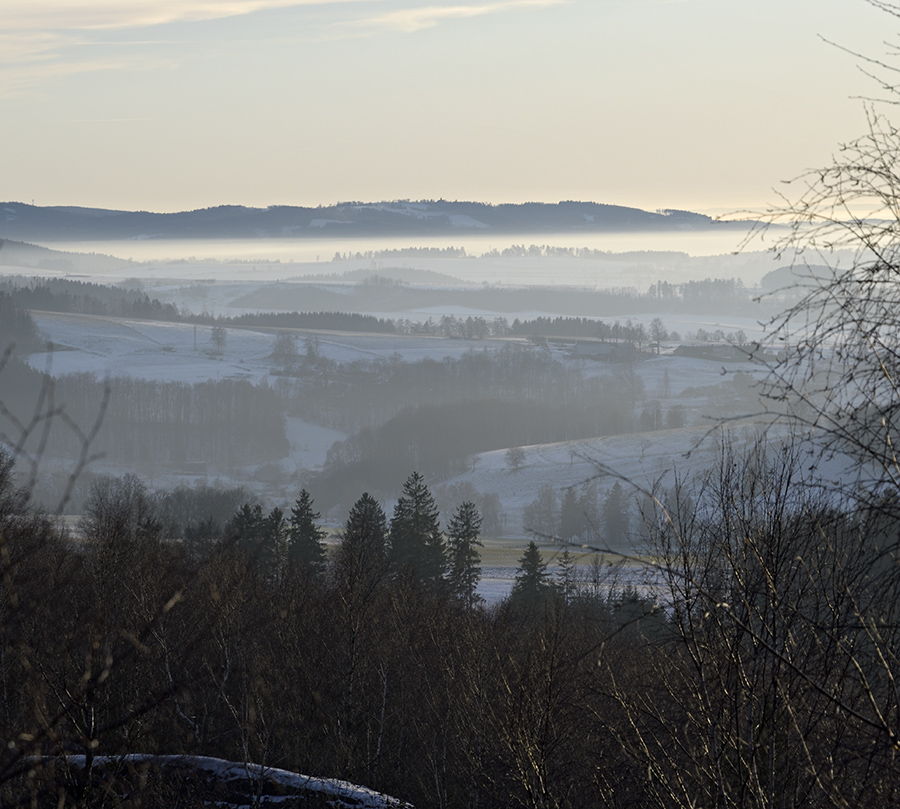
{"x": 29, "y": 222}
{"x": 32, "y": 256}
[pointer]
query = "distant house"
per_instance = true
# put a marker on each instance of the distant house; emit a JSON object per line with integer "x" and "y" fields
{"x": 604, "y": 352}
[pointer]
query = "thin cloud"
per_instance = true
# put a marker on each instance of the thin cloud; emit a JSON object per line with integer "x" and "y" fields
{"x": 23, "y": 47}
{"x": 14, "y": 81}
{"x": 417, "y": 19}
{"x": 37, "y": 37}
{"x": 30, "y": 60}
{"x": 81, "y": 15}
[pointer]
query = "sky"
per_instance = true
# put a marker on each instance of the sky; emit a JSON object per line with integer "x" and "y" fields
{"x": 169, "y": 105}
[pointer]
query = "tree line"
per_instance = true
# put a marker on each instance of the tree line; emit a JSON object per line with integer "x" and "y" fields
{"x": 85, "y": 297}
{"x": 722, "y": 296}
{"x": 365, "y": 393}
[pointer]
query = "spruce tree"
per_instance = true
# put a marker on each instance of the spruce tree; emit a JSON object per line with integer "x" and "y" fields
{"x": 306, "y": 549}
{"x": 463, "y": 544}
{"x": 246, "y": 527}
{"x": 533, "y": 589}
{"x": 567, "y": 577}
{"x": 615, "y": 517}
{"x": 417, "y": 545}
{"x": 571, "y": 516}
{"x": 272, "y": 542}
{"x": 259, "y": 537}
{"x": 360, "y": 562}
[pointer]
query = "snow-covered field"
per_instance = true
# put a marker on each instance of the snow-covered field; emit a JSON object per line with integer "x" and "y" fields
{"x": 110, "y": 347}
{"x": 155, "y": 350}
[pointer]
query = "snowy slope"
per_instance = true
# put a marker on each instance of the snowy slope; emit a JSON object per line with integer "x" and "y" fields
{"x": 640, "y": 462}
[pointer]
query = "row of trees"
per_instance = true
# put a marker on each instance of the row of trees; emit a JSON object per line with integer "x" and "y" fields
{"x": 361, "y": 394}
{"x": 411, "y": 545}
{"x": 580, "y": 515}
{"x": 720, "y": 296}
{"x": 67, "y": 295}
{"x": 145, "y": 422}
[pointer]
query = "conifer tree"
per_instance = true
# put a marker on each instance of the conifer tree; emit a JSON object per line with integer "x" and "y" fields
{"x": 361, "y": 556}
{"x": 417, "y": 545}
{"x": 260, "y": 537}
{"x": 615, "y": 517}
{"x": 566, "y": 576}
{"x": 533, "y": 589}
{"x": 571, "y": 516}
{"x": 245, "y": 527}
{"x": 272, "y": 542}
{"x": 306, "y": 549}
{"x": 463, "y": 544}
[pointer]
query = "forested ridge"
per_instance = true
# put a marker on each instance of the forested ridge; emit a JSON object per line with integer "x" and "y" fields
{"x": 346, "y": 219}
{"x": 720, "y": 296}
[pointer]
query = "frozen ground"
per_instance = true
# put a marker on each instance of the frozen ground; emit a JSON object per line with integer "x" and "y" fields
{"x": 147, "y": 349}
{"x": 110, "y": 347}
{"x": 496, "y": 583}
{"x": 309, "y": 444}
{"x": 176, "y": 351}
{"x": 641, "y": 460}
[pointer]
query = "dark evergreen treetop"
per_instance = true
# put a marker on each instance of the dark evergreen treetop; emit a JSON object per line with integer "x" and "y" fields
{"x": 306, "y": 549}
{"x": 260, "y": 537}
{"x": 533, "y": 589}
{"x": 417, "y": 545}
{"x": 615, "y": 517}
{"x": 464, "y": 558}
{"x": 246, "y": 525}
{"x": 362, "y": 553}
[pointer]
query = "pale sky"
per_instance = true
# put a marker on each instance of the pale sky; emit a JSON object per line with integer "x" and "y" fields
{"x": 169, "y": 105}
